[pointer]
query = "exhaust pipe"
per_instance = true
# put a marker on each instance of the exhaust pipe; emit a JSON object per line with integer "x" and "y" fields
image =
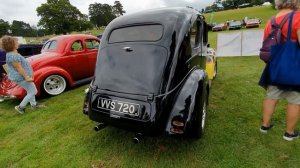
{"x": 137, "y": 138}
{"x": 99, "y": 127}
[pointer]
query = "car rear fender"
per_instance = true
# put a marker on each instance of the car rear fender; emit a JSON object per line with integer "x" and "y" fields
{"x": 41, "y": 74}
{"x": 183, "y": 108}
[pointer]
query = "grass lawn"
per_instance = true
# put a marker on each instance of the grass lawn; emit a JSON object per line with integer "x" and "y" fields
{"x": 263, "y": 12}
{"x": 61, "y": 136}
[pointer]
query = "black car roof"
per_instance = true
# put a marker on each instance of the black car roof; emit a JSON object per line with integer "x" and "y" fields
{"x": 160, "y": 15}
{"x": 174, "y": 19}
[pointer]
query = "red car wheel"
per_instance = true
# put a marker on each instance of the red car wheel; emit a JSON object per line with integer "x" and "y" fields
{"x": 54, "y": 85}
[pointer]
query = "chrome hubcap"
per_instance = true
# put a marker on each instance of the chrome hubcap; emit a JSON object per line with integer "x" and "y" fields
{"x": 55, "y": 84}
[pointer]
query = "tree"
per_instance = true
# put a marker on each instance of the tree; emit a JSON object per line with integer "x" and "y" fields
{"x": 4, "y": 27}
{"x": 84, "y": 23}
{"x": 59, "y": 16}
{"x": 257, "y": 2}
{"x": 20, "y": 28}
{"x": 272, "y": 2}
{"x": 208, "y": 9}
{"x": 101, "y": 14}
{"x": 118, "y": 8}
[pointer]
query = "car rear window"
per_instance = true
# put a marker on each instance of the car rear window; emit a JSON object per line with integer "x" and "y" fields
{"x": 136, "y": 33}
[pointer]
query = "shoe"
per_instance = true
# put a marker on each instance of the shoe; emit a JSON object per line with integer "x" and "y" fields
{"x": 264, "y": 129}
{"x": 20, "y": 110}
{"x": 37, "y": 106}
{"x": 290, "y": 137}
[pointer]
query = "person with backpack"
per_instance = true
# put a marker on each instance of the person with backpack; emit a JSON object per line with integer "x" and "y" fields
{"x": 277, "y": 92}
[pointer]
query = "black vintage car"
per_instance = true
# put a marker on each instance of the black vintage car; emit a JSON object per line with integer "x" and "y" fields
{"x": 235, "y": 24}
{"x": 150, "y": 74}
{"x": 27, "y": 50}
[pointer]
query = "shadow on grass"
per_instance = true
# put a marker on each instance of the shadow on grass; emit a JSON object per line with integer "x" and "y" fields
{"x": 116, "y": 140}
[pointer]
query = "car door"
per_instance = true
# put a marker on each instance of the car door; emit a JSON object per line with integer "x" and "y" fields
{"x": 91, "y": 46}
{"x": 78, "y": 60}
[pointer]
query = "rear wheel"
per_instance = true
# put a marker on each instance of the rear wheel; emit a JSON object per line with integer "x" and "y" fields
{"x": 54, "y": 85}
{"x": 200, "y": 111}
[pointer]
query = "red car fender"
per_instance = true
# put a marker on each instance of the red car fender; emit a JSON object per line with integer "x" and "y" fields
{"x": 41, "y": 74}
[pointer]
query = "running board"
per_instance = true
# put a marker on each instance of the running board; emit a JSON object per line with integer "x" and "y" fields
{"x": 83, "y": 81}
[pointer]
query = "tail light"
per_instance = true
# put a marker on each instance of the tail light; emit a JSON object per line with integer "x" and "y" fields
{"x": 178, "y": 125}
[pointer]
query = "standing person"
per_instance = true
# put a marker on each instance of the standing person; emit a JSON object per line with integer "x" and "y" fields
{"x": 2, "y": 62}
{"x": 274, "y": 93}
{"x": 20, "y": 71}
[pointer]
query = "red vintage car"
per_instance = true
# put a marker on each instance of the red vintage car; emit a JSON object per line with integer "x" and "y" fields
{"x": 252, "y": 23}
{"x": 220, "y": 27}
{"x": 65, "y": 61}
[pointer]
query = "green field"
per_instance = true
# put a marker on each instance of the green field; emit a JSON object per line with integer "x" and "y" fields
{"x": 263, "y": 12}
{"x": 61, "y": 136}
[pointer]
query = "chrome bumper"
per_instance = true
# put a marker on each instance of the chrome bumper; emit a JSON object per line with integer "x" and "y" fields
{"x": 7, "y": 97}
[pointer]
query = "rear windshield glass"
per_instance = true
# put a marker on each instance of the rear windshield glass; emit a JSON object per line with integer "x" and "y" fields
{"x": 136, "y": 33}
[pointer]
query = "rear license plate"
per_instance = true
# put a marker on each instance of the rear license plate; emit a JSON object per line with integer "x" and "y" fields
{"x": 119, "y": 106}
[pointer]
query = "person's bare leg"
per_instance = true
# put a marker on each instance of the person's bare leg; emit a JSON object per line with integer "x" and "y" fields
{"x": 268, "y": 110}
{"x": 292, "y": 117}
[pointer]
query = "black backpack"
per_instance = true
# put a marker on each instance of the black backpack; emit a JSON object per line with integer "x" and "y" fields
{"x": 273, "y": 38}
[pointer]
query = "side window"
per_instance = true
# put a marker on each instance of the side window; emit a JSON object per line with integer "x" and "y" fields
{"x": 195, "y": 34}
{"x": 92, "y": 44}
{"x": 205, "y": 33}
{"x": 77, "y": 46}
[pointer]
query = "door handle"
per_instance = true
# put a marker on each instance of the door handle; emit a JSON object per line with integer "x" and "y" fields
{"x": 127, "y": 49}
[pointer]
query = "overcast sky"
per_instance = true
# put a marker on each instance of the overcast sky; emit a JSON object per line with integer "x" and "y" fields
{"x": 25, "y": 10}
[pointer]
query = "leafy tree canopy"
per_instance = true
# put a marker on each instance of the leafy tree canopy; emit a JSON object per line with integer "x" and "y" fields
{"x": 59, "y": 16}
{"x": 4, "y": 27}
{"x": 102, "y": 14}
{"x": 118, "y": 8}
{"x": 20, "y": 28}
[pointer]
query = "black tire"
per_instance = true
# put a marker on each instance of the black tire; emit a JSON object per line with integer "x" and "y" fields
{"x": 198, "y": 124}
